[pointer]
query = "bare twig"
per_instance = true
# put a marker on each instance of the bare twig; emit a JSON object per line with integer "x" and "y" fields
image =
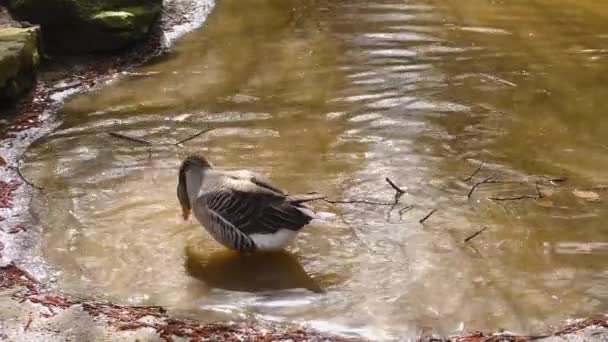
{"x": 193, "y": 136}
{"x": 24, "y": 179}
{"x": 347, "y": 201}
{"x": 132, "y": 139}
{"x": 394, "y": 186}
{"x": 474, "y": 187}
{"x": 405, "y": 210}
{"x": 398, "y": 193}
{"x": 472, "y": 236}
{"x": 427, "y": 216}
{"x": 475, "y": 172}
{"x": 498, "y": 79}
{"x": 538, "y": 195}
{"x": 514, "y": 198}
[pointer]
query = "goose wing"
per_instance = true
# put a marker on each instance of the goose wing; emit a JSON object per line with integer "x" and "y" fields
{"x": 248, "y": 180}
{"x": 257, "y": 210}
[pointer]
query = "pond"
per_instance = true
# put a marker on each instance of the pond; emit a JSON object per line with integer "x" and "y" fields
{"x": 335, "y": 96}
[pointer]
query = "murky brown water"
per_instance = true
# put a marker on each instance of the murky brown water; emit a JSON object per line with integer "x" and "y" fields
{"x": 334, "y": 96}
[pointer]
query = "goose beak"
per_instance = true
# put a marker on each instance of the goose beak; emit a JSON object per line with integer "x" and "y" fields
{"x": 186, "y": 214}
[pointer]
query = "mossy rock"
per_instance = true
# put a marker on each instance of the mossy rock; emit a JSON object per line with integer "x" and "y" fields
{"x": 89, "y": 25}
{"x": 19, "y": 57}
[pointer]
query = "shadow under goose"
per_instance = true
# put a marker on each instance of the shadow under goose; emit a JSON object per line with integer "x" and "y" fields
{"x": 260, "y": 272}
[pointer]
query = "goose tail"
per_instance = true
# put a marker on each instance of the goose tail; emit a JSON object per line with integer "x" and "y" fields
{"x": 299, "y": 201}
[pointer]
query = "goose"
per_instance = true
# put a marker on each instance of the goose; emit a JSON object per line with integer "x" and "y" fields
{"x": 240, "y": 209}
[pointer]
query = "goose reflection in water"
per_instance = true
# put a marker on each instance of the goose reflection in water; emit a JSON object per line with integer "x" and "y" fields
{"x": 258, "y": 272}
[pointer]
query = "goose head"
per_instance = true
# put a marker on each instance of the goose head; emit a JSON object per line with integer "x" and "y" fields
{"x": 190, "y": 177}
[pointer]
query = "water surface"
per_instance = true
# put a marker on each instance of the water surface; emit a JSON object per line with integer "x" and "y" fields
{"x": 334, "y": 96}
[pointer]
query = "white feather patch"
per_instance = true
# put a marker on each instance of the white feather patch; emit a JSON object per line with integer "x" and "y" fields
{"x": 323, "y": 217}
{"x": 275, "y": 241}
{"x": 307, "y": 212}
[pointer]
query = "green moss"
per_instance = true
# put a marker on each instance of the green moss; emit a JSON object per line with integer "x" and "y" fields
{"x": 19, "y": 57}
{"x": 89, "y": 25}
{"x": 114, "y": 20}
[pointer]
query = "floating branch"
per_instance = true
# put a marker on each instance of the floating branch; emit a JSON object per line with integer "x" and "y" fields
{"x": 354, "y": 201}
{"x": 128, "y": 138}
{"x": 475, "y": 172}
{"x": 397, "y": 189}
{"x": 405, "y": 210}
{"x": 427, "y": 216}
{"x": 538, "y": 195}
{"x": 474, "y": 187}
{"x": 398, "y": 193}
{"x": 514, "y": 198}
{"x": 472, "y": 236}
{"x": 193, "y": 136}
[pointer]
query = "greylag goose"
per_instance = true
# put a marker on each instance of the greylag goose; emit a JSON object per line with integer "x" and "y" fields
{"x": 239, "y": 209}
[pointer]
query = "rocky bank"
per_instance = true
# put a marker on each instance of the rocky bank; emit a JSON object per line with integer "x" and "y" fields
{"x": 88, "y": 25}
{"x": 65, "y": 27}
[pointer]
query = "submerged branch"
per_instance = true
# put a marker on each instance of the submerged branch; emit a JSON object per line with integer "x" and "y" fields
{"x": 405, "y": 210}
{"x": 394, "y": 186}
{"x": 355, "y": 201}
{"x": 474, "y": 187}
{"x": 472, "y": 236}
{"x": 148, "y": 143}
{"x": 514, "y": 198}
{"x": 538, "y": 195}
{"x": 398, "y": 193}
{"x": 193, "y": 136}
{"x": 315, "y": 196}
{"x": 475, "y": 172}
{"x": 128, "y": 138}
{"x": 422, "y": 220}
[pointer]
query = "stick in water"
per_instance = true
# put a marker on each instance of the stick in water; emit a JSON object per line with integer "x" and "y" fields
{"x": 471, "y": 237}
{"x": 474, "y": 172}
{"x": 427, "y": 216}
{"x": 474, "y": 187}
{"x": 193, "y": 136}
{"x": 132, "y": 139}
{"x": 394, "y": 186}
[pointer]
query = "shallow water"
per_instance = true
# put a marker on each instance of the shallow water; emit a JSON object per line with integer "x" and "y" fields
{"x": 334, "y": 96}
